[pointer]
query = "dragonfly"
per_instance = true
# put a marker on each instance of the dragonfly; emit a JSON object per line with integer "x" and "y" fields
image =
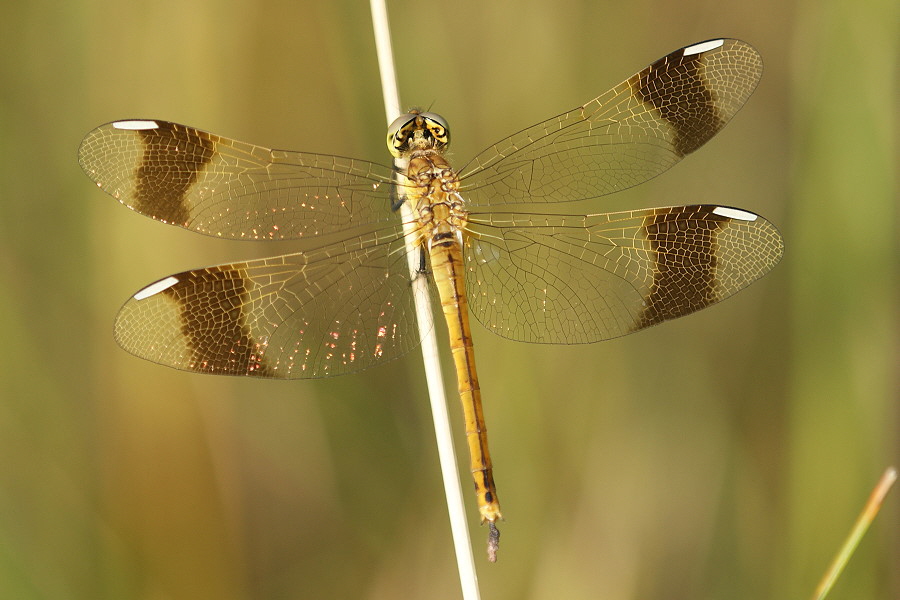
{"x": 488, "y": 237}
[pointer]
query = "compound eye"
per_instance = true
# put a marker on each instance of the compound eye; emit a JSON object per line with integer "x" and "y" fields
{"x": 438, "y": 128}
{"x": 435, "y": 118}
{"x": 399, "y": 132}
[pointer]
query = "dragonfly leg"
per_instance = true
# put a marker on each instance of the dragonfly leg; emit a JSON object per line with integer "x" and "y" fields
{"x": 423, "y": 265}
{"x": 397, "y": 201}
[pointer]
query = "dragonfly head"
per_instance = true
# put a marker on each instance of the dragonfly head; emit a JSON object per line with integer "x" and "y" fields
{"x": 417, "y": 130}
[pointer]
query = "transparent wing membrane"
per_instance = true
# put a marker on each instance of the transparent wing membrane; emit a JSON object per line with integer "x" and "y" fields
{"x": 224, "y": 188}
{"x": 335, "y": 310}
{"x": 347, "y": 304}
{"x": 577, "y": 279}
{"x": 624, "y": 137}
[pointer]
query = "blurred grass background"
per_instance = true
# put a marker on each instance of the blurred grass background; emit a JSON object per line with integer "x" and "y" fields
{"x": 724, "y": 455}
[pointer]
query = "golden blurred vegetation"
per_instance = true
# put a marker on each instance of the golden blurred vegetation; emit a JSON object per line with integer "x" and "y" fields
{"x": 724, "y": 455}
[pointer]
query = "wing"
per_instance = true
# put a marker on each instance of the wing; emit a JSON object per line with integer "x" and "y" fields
{"x": 339, "y": 309}
{"x": 624, "y": 137}
{"x": 579, "y": 279}
{"x": 225, "y": 188}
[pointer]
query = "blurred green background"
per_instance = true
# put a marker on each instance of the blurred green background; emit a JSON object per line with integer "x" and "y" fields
{"x": 724, "y": 455}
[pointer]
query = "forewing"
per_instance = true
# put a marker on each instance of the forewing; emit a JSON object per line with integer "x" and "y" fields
{"x": 580, "y": 279}
{"x": 339, "y": 309}
{"x": 624, "y": 137}
{"x": 225, "y": 188}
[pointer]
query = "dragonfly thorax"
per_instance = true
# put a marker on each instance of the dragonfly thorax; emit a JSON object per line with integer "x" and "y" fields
{"x": 434, "y": 192}
{"x": 432, "y": 179}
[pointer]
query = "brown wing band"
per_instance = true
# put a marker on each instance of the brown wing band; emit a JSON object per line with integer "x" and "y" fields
{"x": 173, "y": 158}
{"x": 685, "y": 277}
{"x": 212, "y": 304}
{"x": 676, "y": 87}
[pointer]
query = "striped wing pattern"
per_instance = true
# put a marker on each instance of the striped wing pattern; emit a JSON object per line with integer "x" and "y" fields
{"x": 580, "y": 279}
{"x": 624, "y": 137}
{"x": 346, "y": 303}
{"x": 334, "y": 310}
{"x": 224, "y": 188}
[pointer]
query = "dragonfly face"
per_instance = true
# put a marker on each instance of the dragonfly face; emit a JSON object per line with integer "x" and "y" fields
{"x": 417, "y": 129}
{"x": 531, "y": 275}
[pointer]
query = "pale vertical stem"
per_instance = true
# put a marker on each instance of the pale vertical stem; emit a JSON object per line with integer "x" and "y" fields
{"x": 870, "y": 510}
{"x": 458, "y": 524}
